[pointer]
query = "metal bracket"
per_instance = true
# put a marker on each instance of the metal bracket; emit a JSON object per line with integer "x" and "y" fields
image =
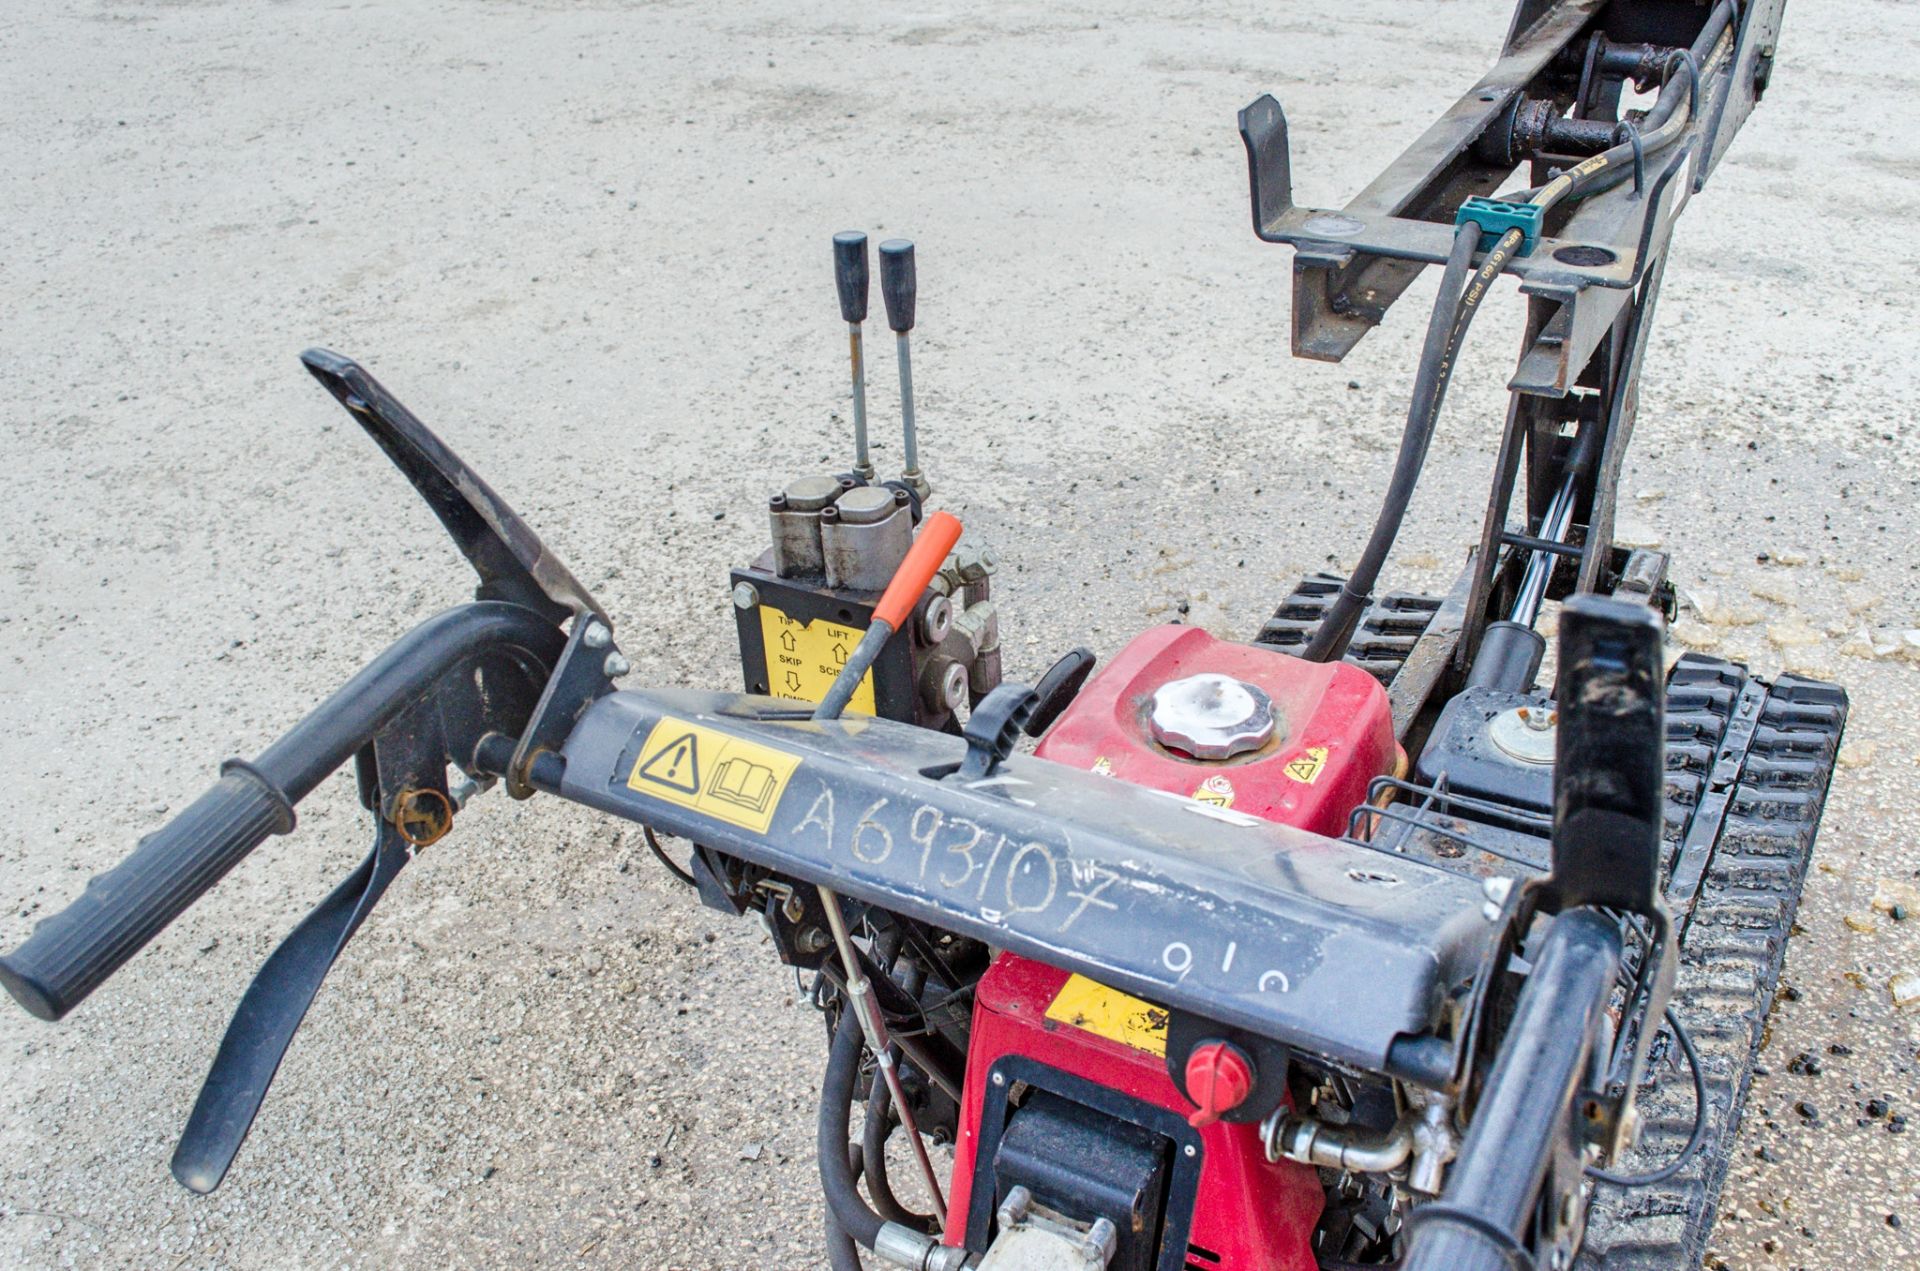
{"x": 584, "y": 675}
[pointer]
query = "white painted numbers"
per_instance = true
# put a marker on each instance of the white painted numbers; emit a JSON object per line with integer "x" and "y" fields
{"x": 1004, "y": 877}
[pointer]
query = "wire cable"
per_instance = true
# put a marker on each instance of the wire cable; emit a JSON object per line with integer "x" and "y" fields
{"x": 1694, "y": 1139}
{"x": 660, "y": 853}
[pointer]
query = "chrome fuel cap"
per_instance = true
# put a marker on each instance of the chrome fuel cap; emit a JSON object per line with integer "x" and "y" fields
{"x": 1211, "y": 716}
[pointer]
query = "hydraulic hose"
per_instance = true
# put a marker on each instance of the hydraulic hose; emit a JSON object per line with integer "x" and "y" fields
{"x": 842, "y": 1253}
{"x": 1453, "y": 311}
{"x": 879, "y": 1127}
{"x": 844, "y": 1202}
{"x": 1661, "y": 126}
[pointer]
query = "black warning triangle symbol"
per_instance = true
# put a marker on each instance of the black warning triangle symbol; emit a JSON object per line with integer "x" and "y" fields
{"x": 675, "y": 765}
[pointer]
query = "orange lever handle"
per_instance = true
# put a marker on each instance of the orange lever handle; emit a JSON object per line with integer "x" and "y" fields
{"x": 929, "y": 551}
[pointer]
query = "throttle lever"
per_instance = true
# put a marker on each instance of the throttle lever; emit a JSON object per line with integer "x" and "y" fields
{"x": 1057, "y": 689}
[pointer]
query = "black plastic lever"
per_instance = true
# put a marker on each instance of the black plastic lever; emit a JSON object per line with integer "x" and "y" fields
{"x": 898, "y": 284}
{"x": 1609, "y": 785}
{"x": 512, "y": 562}
{"x": 850, "y": 274}
{"x": 1057, "y": 689}
{"x": 270, "y": 1013}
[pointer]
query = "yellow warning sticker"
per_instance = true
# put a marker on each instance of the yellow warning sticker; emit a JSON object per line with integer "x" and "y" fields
{"x": 1109, "y": 1013}
{"x": 1306, "y": 767}
{"x": 1216, "y": 790}
{"x": 727, "y": 778}
{"x": 804, "y": 658}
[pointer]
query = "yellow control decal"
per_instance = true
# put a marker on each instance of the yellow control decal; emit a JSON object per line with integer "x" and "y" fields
{"x": 1306, "y": 767}
{"x": 803, "y": 658}
{"x": 727, "y": 778}
{"x": 1109, "y": 1013}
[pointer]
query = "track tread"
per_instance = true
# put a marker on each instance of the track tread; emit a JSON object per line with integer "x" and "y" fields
{"x": 1731, "y": 950}
{"x": 1392, "y": 625}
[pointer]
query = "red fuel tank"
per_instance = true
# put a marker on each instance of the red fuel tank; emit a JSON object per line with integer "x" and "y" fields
{"x": 1234, "y": 725}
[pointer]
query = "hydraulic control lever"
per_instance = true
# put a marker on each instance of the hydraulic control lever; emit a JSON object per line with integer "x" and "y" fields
{"x": 899, "y": 287}
{"x": 850, "y": 279}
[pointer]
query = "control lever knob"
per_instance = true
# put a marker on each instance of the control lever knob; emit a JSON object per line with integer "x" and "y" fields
{"x": 1219, "y": 1079}
{"x": 850, "y": 274}
{"x": 898, "y": 285}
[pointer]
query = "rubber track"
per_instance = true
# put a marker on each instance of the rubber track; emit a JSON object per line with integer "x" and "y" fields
{"x": 1732, "y": 947}
{"x": 1387, "y": 634}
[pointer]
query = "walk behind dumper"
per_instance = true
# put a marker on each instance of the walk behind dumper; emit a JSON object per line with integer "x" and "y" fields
{"x": 1356, "y": 945}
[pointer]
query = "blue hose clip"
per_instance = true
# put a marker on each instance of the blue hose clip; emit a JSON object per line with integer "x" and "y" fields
{"x": 1495, "y": 218}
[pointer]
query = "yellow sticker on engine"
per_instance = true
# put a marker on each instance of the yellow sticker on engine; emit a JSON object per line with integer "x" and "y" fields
{"x": 1306, "y": 768}
{"x": 727, "y": 778}
{"x": 1109, "y": 1013}
{"x": 804, "y": 658}
{"x": 1216, "y": 790}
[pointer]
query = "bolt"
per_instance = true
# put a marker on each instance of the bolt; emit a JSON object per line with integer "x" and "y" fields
{"x": 812, "y": 940}
{"x": 936, "y": 618}
{"x": 616, "y": 665}
{"x": 1189, "y": 1149}
{"x": 1539, "y": 721}
{"x": 999, "y": 1078}
{"x": 744, "y": 596}
{"x": 597, "y": 636}
{"x": 466, "y": 791}
{"x": 974, "y": 563}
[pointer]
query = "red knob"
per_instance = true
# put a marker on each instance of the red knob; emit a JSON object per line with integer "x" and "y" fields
{"x": 1219, "y": 1079}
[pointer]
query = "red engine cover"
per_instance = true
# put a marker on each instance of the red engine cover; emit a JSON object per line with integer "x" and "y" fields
{"x": 1333, "y": 730}
{"x": 1333, "y": 734}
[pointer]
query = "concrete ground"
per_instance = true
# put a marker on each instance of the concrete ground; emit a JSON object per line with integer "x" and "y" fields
{"x": 588, "y": 242}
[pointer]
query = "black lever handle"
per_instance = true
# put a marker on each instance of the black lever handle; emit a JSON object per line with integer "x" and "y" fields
{"x": 512, "y": 562}
{"x": 1609, "y": 770}
{"x": 270, "y": 1012}
{"x": 71, "y": 952}
{"x": 898, "y": 285}
{"x": 1057, "y": 689}
{"x": 850, "y": 273}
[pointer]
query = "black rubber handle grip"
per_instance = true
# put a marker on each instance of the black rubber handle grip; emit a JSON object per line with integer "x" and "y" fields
{"x": 898, "y": 285}
{"x": 70, "y": 953}
{"x": 850, "y": 273}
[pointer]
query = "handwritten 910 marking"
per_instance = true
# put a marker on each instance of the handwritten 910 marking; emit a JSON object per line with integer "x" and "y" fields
{"x": 1003, "y": 876}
